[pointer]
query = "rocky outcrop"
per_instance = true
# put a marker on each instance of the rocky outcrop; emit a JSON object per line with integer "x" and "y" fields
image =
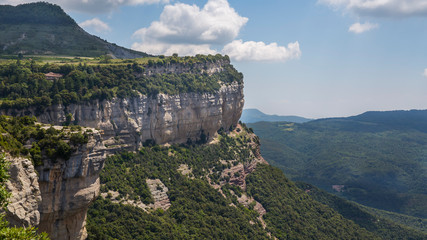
{"x": 159, "y": 193}
{"x": 67, "y": 189}
{"x": 56, "y": 198}
{"x": 23, "y": 208}
{"x": 237, "y": 173}
{"x": 127, "y": 123}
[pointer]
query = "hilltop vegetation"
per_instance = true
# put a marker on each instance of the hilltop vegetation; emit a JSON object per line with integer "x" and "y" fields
{"x": 379, "y": 158}
{"x": 45, "y": 29}
{"x": 23, "y": 83}
{"x": 34, "y": 13}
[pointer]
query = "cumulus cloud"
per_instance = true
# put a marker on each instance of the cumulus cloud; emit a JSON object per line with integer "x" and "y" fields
{"x": 381, "y": 8}
{"x": 216, "y": 23}
{"x": 259, "y": 51}
{"x": 96, "y": 25}
{"x": 425, "y": 73}
{"x": 90, "y": 6}
{"x": 190, "y": 30}
{"x": 362, "y": 27}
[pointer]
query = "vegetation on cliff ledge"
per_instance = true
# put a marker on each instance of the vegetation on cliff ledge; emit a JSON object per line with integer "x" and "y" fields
{"x": 24, "y": 84}
{"x": 22, "y": 136}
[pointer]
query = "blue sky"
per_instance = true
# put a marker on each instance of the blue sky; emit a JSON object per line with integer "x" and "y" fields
{"x": 312, "y": 58}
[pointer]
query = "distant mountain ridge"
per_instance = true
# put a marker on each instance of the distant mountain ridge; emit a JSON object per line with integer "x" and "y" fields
{"x": 380, "y": 121}
{"x": 376, "y": 158}
{"x": 255, "y": 115}
{"x": 45, "y": 29}
{"x": 417, "y": 119}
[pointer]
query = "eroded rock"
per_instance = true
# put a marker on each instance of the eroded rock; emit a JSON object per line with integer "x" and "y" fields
{"x": 23, "y": 209}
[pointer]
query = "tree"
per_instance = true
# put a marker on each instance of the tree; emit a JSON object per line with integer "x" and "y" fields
{"x": 105, "y": 58}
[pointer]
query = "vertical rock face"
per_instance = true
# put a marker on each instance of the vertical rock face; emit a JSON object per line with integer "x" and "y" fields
{"x": 57, "y": 198}
{"x": 67, "y": 189}
{"x": 163, "y": 118}
{"x": 23, "y": 209}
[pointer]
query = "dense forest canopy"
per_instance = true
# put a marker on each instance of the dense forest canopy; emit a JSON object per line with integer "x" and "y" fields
{"x": 24, "y": 84}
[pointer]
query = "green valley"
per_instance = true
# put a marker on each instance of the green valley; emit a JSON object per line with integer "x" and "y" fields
{"x": 377, "y": 159}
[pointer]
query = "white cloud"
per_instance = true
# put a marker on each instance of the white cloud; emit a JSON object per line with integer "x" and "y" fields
{"x": 361, "y": 28}
{"x": 216, "y": 23}
{"x": 96, "y": 24}
{"x": 425, "y": 73}
{"x": 259, "y": 51}
{"x": 90, "y": 6}
{"x": 190, "y": 30}
{"x": 381, "y": 8}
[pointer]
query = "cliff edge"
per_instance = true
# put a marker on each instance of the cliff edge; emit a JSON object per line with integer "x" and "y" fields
{"x": 54, "y": 194}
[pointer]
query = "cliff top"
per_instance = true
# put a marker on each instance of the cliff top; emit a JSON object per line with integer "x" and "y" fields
{"x": 23, "y": 136}
{"x": 25, "y": 83}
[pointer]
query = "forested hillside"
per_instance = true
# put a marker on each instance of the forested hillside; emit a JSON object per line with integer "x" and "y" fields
{"x": 205, "y": 203}
{"x": 45, "y": 29}
{"x": 376, "y": 159}
{"x": 386, "y": 224}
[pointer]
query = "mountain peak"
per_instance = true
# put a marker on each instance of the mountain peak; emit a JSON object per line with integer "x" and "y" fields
{"x": 45, "y": 29}
{"x": 34, "y": 13}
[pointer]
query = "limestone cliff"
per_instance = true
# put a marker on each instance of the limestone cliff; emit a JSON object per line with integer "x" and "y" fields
{"x": 164, "y": 118}
{"x": 57, "y": 203}
{"x": 57, "y": 198}
{"x": 23, "y": 209}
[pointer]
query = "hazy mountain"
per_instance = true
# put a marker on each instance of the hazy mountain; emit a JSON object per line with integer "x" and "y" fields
{"x": 45, "y": 29}
{"x": 255, "y": 115}
{"x": 377, "y": 158}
